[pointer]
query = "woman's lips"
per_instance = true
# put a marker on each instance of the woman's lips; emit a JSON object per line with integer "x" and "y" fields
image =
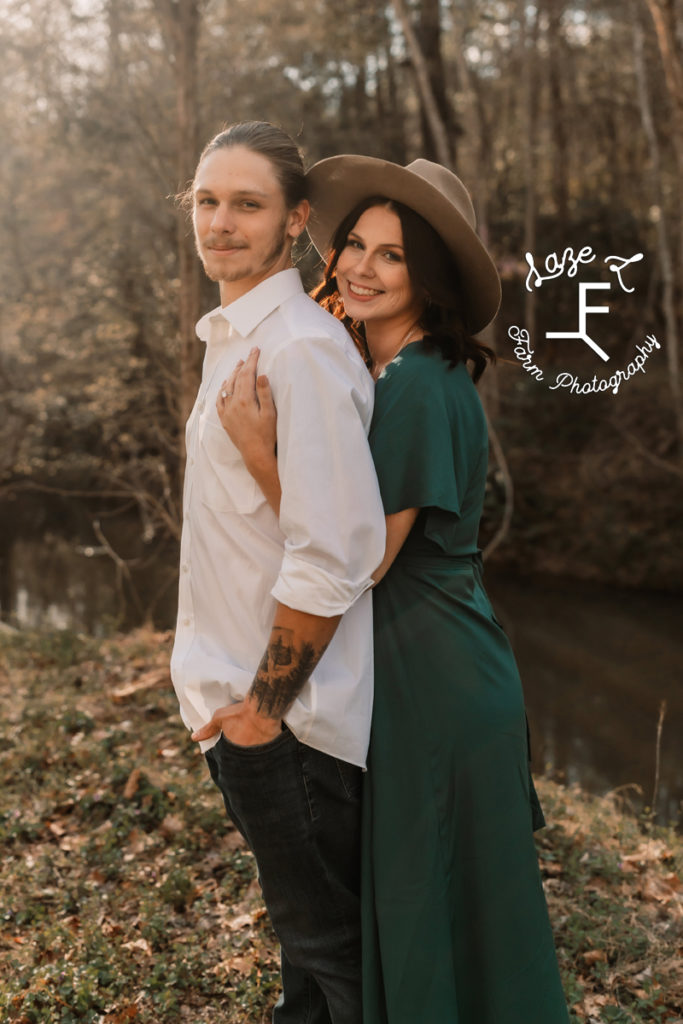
{"x": 360, "y": 291}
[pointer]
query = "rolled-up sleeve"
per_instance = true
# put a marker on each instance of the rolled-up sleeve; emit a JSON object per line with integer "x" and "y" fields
{"x": 331, "y": 512}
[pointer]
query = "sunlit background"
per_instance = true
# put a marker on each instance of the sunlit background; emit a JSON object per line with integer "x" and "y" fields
{"x": 564, "y": 119}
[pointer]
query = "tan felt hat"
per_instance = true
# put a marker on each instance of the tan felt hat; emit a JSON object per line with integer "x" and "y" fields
{"x": 337, "y": 184}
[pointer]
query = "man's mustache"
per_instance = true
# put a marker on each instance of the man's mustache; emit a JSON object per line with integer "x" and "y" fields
{"x": 220, "y": 243}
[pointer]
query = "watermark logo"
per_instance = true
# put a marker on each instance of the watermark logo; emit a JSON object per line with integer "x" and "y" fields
{"x": 556, "y": 266}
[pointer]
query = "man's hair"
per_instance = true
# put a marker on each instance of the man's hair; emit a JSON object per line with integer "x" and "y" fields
{"x": 271, "y": 142}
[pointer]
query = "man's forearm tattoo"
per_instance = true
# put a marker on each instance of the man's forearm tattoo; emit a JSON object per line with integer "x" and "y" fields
{"x": 283, "y": 671}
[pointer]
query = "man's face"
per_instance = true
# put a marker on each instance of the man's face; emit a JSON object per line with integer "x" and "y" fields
{"x": 243, "y": 229}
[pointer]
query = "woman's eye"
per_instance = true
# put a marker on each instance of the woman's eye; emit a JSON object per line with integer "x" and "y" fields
{"x": 352, "y": 243}
{"x": 393, "y": 257}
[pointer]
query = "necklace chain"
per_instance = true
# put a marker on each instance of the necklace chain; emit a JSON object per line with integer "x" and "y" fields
{"x": 404, "y": 341}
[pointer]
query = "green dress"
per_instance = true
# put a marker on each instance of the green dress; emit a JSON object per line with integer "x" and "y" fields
{"x": 455, "y": 924}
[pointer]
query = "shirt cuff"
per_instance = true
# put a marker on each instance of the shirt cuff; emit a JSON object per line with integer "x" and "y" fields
{"x": 309, "y": 588}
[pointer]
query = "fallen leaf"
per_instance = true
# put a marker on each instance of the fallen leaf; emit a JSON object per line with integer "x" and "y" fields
{"x": 168, "y": 752}
{"x": 551, "y": 867}
{"x": 131, "y": 786}
{"x": 148, "y": 681}
{"x": 242, "y": 921}
{"x": 141, "y": 944}
{"x": 594, "y": 1003}
{"x": 172, "y": 825}
{"x": 253, "y": 890}
{"x": 241, "y": 965}
{"x": 122, "y": 1016}
{"x": 594, "y": 956}
{"x": 110, "y": 928}
{"x": 234, "y": 841}
{"x": 660, "y": 889}
{"x": 649, "y": 852}
{"x": 71, "y": 843}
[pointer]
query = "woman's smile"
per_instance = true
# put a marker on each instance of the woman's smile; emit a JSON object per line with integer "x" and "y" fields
{"x": 372, "y": 275}
{"x": 362, "y": 291}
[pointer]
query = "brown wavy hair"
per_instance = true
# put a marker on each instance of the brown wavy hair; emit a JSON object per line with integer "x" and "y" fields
{"x": 432, "y": 271}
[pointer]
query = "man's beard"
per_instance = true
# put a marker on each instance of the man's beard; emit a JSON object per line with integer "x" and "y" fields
{"x": 273, "y": 255}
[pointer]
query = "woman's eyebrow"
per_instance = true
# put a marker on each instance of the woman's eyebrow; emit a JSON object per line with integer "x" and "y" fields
{"x": 239, "y": 194}
{"x": 382, "y": 245}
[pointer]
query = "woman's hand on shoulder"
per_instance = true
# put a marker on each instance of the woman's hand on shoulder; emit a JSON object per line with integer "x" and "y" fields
{"x": 246, "y": 409}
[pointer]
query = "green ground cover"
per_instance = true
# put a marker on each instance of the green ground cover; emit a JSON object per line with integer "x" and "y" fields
{"x": 125, "y": 895}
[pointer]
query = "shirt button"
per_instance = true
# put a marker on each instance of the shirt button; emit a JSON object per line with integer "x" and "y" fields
{"x": 191, "y": 461}
{"x": 202, "y": 405}
{"x": 185, "y": 567}
{"x": 187, "y": 622}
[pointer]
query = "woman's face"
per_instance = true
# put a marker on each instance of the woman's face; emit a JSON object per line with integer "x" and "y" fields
{"x": 371, "y": 272}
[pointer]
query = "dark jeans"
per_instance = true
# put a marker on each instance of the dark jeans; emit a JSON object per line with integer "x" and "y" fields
{"x": 299, "y": 810}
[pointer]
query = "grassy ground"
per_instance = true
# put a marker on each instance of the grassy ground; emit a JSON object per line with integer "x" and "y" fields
{"x": 127, "y": 896}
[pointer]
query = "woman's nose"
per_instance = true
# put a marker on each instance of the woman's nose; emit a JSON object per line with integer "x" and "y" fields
{"x": 364, "y": 265}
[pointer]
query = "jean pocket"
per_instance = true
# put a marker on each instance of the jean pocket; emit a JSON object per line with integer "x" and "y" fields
{"x": 230, "y": 748}
{"x": 351, "y": 778}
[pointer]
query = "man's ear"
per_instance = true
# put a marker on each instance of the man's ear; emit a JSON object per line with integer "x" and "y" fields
{"x": 297, "y": 218}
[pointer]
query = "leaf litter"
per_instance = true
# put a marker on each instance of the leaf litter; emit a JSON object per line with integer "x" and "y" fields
{"x": 126, "y": 895}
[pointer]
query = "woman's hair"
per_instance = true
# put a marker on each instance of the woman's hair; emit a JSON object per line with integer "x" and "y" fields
{"x": 271, "y": 142}
{"x": 433, "y": 273}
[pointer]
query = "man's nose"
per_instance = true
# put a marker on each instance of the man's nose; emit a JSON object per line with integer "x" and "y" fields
{"x": 223, "y": 219}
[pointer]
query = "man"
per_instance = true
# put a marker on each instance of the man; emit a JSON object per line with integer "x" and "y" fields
{"x": 274, "y": 683}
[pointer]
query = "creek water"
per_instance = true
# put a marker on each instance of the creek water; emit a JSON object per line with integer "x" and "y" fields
{"x": 597, "y": 662}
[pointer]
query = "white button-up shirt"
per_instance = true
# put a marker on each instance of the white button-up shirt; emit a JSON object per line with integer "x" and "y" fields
{"x": 236, "y": 559}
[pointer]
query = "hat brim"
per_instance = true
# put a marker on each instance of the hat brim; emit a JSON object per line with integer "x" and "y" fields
{"x": 337, "y": 184}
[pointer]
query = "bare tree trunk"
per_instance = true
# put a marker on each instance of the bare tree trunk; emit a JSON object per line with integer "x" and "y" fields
{"x": 664, "y": 17}
{"x": 476, "y": 160}
{"x": 504, "y": 528}
{"x": 427, "y": 98}
{"x": 665, "y": 259}
{"x": 670, "y": 40}
{"x": 428, "y": 33}
{"x": 397, "y": 135}
{"x": 180, "y": 22}
{"x": 558, "y": 118}
{"x": 477, "y": 157}
{"x": 389, "y": 117}
{"x": 529, "y": 91}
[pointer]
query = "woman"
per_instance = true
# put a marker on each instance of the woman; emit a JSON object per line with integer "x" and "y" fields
{"x": 455, "y": 926}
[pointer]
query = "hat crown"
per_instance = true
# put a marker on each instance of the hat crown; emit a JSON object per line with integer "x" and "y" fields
{"x": 448, "y": 184}
{"x": 338, "y": 184}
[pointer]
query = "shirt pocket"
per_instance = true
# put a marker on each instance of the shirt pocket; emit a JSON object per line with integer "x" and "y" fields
{"x": 226, "y": 485}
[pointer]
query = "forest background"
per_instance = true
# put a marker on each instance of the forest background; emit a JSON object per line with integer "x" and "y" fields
{"x": 564, "y": 118}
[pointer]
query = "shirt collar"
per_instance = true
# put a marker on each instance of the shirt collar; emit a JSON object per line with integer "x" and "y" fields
{"x": 247, "y": 312}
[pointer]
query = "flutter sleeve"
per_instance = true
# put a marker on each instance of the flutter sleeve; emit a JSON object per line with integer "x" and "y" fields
{"x": 411, "y": 438}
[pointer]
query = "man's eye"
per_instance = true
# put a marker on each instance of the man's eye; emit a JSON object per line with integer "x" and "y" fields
{"x": 250, "y": 205}
{"x": 206, "y": 202}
